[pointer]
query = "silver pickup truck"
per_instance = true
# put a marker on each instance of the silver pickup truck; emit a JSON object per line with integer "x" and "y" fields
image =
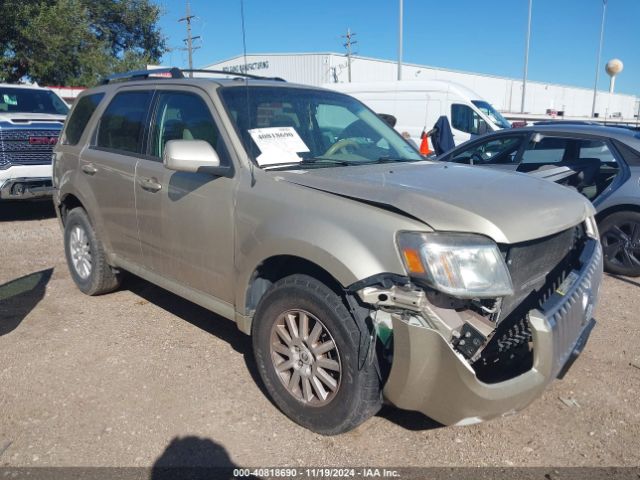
{"x": 362, "y": 272}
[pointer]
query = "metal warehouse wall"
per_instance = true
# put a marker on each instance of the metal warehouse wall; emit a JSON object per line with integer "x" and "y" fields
{"x": 503, "y": 93}
{"x": 308, "y": 69}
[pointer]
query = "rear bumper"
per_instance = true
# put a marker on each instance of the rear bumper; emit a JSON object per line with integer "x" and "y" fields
{"x": 25, "y": 182}
{"x": 427, "y": 375}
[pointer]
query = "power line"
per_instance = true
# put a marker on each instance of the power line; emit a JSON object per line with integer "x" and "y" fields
{"x": 595, "y": 86}
{"x": 189, "y": 40}
{"x": 349, "y": 43}
{"x": 526, "y": 59}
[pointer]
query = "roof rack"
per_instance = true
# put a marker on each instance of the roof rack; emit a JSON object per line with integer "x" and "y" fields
{"x": 234, "y": 74}
{"x": 143, "y": 74}
{"x": 175, "y": 72}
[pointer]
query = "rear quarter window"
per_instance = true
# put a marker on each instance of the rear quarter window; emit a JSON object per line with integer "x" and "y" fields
{"x": 631, "y": 156}
{"x": 80, "y": 117}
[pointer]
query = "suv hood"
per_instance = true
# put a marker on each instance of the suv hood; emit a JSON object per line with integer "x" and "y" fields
{"x": 507, "y": 207}
{"x": 24, "y": 118}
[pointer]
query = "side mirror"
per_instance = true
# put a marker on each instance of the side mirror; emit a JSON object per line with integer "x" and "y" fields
{"x": 482, "y": 127}
{"x": 389, "y": 119}
{"x": 190, "y": 156}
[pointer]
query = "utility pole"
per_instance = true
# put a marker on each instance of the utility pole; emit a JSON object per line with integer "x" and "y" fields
{"x": 526, "y": 59}
{"x": 595, "y": 86}
{"x": 348, "y": 45}
{"x": 400, "y": 41}
{"x": 189, "y": 40}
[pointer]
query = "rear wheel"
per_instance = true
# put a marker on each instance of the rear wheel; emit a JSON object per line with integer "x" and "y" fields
{"x": 86, "y": 258}
{"x": 305, "y": 343}
{"x": 620, "y": 237}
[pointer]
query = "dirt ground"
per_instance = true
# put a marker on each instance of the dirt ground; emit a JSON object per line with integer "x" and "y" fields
{"x": 141, "y": 376}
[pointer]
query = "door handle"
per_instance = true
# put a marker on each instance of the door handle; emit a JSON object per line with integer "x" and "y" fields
{"x": 89, "y": 169}
{"x": 150, "y": 184}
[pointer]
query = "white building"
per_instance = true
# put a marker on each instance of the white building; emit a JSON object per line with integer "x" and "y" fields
{"x": 504, "y": 93}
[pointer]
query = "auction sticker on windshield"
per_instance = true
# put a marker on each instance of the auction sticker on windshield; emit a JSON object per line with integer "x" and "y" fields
{"x": 278, "y": 145}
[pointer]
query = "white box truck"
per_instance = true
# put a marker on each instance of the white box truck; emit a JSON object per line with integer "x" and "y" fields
{"x": 417, "y": 105}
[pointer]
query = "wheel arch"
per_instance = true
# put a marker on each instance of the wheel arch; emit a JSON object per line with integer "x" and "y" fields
{"x": 68, "y": 199}
{"x": 67, "y": 203}
{"x": 624, "y": 207}
{"x": 278, "y": 267}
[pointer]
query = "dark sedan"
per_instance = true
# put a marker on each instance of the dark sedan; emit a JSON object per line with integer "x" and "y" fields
{"x": 602, "y": 163}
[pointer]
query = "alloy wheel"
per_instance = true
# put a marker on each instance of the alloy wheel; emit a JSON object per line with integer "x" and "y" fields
{"x": 80, "y": 251}
{"x": 621, "y": 244}
{"x": 305, "y": 357}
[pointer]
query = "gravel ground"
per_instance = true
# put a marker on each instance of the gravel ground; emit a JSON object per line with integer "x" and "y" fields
{"x": 141, "y": 376}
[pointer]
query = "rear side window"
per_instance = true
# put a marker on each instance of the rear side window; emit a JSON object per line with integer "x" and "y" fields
{"x": 566, "y": 151}
{"x": 122, "y": 124}
{"x": 80, "y": 117}
{"x": 597, "y": 149}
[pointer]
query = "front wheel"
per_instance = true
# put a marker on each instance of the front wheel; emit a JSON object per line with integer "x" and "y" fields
{"x": 620, "y": 237}
{"x": 305, "y": 343}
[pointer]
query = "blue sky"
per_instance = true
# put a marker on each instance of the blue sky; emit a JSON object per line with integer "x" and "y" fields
{"x": 484, "y": 36}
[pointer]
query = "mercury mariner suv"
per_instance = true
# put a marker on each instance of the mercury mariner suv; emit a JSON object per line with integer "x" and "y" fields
{"x": 31, "y": 118}
{"x": 362, "y": 272}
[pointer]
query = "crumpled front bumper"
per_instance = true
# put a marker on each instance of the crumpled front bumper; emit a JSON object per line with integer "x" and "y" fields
{"x": 427, "y": 375}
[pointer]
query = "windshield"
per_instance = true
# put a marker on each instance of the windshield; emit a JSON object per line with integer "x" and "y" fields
{"x": 31, "y": 100}
{"x": 282, "y": 126}
{"x": 492, "y": 113}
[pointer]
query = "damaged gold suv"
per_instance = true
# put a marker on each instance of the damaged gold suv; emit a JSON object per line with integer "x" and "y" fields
{"x": 362, "y": 272}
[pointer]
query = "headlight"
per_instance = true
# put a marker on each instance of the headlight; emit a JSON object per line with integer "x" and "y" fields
{"x": 591, "y": 228}
{"x": 462, "y": 265}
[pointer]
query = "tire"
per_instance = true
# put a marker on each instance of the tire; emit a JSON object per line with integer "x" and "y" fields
{"x": 86, "y": 258}
{"x": 620, "y": 237}
{"x": 358, "y": 392}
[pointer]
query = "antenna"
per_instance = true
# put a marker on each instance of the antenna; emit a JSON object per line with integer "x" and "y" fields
{"x": 348, "y": 45}
{"x": 246, "y": 89}
{"x": 244, "y": 36}
{"x": 189, "y": 40}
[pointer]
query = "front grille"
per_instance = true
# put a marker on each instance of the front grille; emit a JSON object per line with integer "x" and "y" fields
{"x": 15, "y": 148}
{"x": 537, "y": 269}
{"x": 531, "y": 263}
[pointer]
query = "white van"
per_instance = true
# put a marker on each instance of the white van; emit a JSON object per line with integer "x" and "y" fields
{"x": 417, "y": 105}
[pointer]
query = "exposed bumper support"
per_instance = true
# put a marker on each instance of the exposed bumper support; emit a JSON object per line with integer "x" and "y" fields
{"x": 427, "y": 375}
{"x": 26, "y": 188}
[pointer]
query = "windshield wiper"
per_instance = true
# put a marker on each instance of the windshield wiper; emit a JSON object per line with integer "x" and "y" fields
{"x": 336, "y": 161}
{"x": 316, "y": 161}
{"x": 387, "y": 159}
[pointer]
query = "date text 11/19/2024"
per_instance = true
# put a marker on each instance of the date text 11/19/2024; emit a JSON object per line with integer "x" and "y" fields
{"x": 365, "y": 472}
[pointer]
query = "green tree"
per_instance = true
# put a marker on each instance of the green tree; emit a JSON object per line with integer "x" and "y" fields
{"x": 76, "y": 42}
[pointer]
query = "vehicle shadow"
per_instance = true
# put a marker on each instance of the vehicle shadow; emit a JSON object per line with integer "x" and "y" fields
{"x": 227, "y": 331}
{"x": 624, "y": 279}
{"x": 193, "y": 458}
{"x": 18, "y": 297}
{"x": 199, "y": 317}
{"x": 26, "y": 210}
{"x": 413, "y": 421}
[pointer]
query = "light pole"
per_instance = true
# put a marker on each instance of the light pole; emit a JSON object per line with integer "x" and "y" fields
{"x": 526, "y": 58}
{"x": 400, "y": 43}
{"x": 595, "y": 86}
